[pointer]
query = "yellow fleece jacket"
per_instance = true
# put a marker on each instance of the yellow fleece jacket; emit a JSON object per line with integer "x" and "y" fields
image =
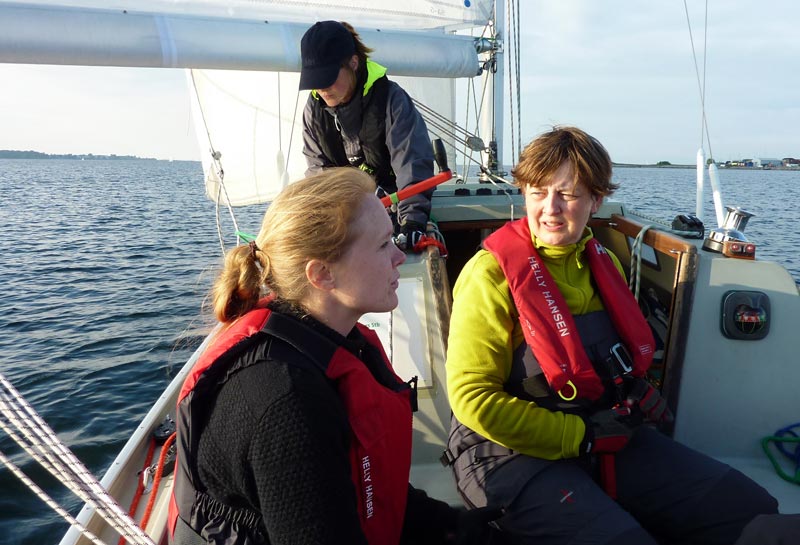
{"x": 485, "y": 330}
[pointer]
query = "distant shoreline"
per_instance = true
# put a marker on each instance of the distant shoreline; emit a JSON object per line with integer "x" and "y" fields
{"x": 631, "y": 165}
{"x": 29, "y": 154}
{"x": 634, "y": 165}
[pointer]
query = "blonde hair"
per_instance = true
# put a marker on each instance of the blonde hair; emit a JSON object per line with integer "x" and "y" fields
{"x": 310, "y": 219}
{"x": 591, "y": 164}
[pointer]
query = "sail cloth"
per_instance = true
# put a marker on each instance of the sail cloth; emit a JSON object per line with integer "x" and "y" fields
{"x": 254, "y": 122}
{"x": 191, "y": 35}
{"x": 245, "y": 101}
{"x": 407, "y": 15}
{"x": 254, "y": 119}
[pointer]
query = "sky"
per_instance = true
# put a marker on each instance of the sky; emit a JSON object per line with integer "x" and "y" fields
{"x": 622, "y": 70}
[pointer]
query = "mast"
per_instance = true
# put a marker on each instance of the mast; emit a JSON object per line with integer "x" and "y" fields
{"x": 491, "y": 121}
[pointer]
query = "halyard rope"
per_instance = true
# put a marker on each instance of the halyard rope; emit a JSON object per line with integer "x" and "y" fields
{"x": 48, "y": 500}
{"x": 41, "y": 443}
{"x": 636, "y": 261}
{"x": 216, "y": 157}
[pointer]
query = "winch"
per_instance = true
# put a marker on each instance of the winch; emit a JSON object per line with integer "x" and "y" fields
{"x": 730, "y": 239}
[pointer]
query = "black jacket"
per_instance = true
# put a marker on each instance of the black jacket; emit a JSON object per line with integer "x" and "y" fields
{"x": 380, "y": 127}
{"x": 277, "y": 436}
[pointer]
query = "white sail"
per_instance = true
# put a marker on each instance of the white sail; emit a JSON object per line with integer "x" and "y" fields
{"x": 253, "y": 120}
{"x": 408, "y": 14}
{"x": 250, "y": 120}
{"x": 246, "y": 103}
{"x": 249, "y": 124}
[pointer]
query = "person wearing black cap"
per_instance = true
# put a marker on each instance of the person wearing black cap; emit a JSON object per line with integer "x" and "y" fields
{"x": 356, "y": 116}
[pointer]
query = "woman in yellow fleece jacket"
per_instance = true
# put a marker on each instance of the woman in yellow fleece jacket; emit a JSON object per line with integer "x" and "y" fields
{"x": 553, "y": 418}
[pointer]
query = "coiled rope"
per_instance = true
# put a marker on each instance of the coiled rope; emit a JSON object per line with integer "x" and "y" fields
{"x": 24, "y": 425}
{"x": 636, "y": 261}
{"x": 634, "y": 282}
{"x": 785, "y": 435}
{"x": 157, "y": 479}
{"x": 137, "y": 496}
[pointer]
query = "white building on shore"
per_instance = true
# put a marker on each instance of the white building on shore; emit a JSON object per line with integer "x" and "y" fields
{"x": 762, "y": 162}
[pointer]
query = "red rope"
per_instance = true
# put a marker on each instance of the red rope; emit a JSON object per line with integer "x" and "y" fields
{"x": 426, "y": 241}
{"x": 140, "y": 488}
{"x": 157, "y": 480}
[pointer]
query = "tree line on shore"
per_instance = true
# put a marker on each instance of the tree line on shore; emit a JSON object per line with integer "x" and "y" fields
{"x": 29, "y": 154}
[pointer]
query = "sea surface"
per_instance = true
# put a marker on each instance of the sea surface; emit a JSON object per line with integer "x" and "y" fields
{"x": 104, "y": 270}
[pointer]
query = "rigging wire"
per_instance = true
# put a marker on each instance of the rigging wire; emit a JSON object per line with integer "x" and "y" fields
{"x": 470, "y": 90}
{"x": 448, "y": 130}
{"x": 701, "y": 86}
{"x": 711, "y": 163}
{"x": 517, "y": 78}
{"x": 514, "y": 81}
{"x": 510, "y": 41}
{"x": 434, "y": 117}
{"x": 705, "y": 72}
{"x": 442, "y": 132}
{"x": 284, "y": 165}
{"x": 291, "y": 135}
{"x": 471, "y": 93}
{"x": 486, "y": 82}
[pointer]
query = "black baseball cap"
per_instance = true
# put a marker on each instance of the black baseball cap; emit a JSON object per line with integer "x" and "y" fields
{"x": 323, "y": 48}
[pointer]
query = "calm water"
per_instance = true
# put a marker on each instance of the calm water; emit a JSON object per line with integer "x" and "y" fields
{"x": 103, "y": 272}
{"x": 773, "y": 196}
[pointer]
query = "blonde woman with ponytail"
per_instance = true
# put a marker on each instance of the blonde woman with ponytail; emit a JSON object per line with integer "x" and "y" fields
{"x": 292, "y": 427}
{"x": 311, "y": 221}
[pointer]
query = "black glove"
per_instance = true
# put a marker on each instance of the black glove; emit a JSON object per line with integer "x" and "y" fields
{"x": 607, "y": 431}
{"x": 473, "y": 528}
{"x": 642, "y": 394}
{"x": 411, "y": 233}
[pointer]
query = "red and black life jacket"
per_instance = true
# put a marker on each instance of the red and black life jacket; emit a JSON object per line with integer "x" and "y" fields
{"x": 548, "y": 325}
{"x": 379, "y": 417}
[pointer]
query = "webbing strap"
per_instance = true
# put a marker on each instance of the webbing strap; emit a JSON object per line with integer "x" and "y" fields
{"x": 481, "y": 450}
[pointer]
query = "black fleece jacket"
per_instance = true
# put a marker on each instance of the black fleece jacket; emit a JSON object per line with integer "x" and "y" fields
{"x": 277, "y": 443}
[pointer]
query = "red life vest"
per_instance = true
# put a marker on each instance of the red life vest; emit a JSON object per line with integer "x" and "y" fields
{"x": 547, "y": 323}
{"x": 379, "y": 416}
